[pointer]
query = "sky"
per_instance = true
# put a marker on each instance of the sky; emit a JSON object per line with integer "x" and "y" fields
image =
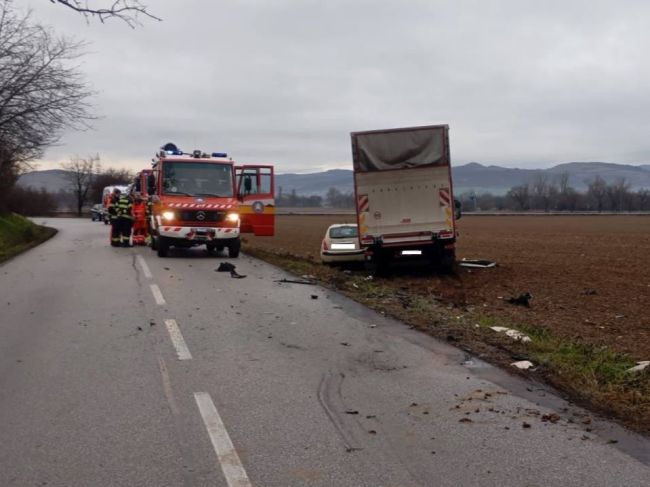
{"x": 521, "y": 83}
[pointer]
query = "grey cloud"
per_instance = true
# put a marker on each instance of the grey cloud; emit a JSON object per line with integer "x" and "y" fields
{"x": 521, "y": 83}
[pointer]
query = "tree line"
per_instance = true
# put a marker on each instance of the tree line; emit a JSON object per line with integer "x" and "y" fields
{"x": 544, "y": 193}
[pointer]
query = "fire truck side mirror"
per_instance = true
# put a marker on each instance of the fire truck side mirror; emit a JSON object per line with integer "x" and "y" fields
{"x": 151, "y": 184}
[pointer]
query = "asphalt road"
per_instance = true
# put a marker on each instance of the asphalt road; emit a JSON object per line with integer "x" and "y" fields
{"x": 118, "y": 368}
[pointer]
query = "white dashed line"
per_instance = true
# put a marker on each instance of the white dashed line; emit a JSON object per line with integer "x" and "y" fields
{"x": 157, "y": 295}
{"x": 145, "y": 268}
{"x": 178, "y": 341}
{"x": 231, "y": 465}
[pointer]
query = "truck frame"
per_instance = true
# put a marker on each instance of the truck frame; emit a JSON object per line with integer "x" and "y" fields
{"x": 404, "y": 195}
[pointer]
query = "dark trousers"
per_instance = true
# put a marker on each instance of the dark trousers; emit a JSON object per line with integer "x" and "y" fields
{"x": 115, "y": 233}
{"x": 124, "y": 230}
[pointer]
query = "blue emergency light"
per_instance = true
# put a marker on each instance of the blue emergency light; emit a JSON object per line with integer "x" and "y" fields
{"x": 171, "y": 149}
{"x": 219, "y": 154}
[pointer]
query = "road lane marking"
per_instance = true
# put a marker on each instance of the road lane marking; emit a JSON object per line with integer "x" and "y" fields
{"x": 167, "y": 386}
{"x": 231, "y": 465}
{"x": 145, "y": 268}
{"x": 157, "y": 295}
{"x": 178, "y": 341}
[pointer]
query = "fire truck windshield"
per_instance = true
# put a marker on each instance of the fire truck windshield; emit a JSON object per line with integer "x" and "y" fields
{"x": 197, "y": 179}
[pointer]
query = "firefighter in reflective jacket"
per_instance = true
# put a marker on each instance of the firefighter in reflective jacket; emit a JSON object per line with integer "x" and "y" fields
{"x": 121, "y": 211}
{"x": 140, "y": 215}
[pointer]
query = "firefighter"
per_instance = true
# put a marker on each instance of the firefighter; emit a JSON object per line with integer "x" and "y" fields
{"x": 123, "y": 220}
{"x": 139, "y": 221}
{"x": 112, "y": 216}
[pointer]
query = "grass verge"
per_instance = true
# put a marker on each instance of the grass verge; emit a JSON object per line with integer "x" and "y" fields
{"x": 592, "y": 375}
{"x": 18, "y": 234}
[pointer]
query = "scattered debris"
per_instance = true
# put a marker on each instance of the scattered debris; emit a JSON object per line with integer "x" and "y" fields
{"x": 639, "y": 366}
{"x": 296, "y": 281}
{"x": 345, "y": 344}
{"x": 512, "y": 333}
{"x": 523, "y": 364}
{"x": 152, "y": 323}
{"x": 550, "y": 418}
{"x": 351, "y": 411}
{"x": 372, "y": 432}
{"x": 465, "y": 420}
{"x": 228, "y": 267}
{"x": 314, "y": 296}
{"x": 371, "y": 416}
{"x": 368, "y": 278}
{"x": 521, "y": 300}
{"x": 139, "y": 328}
{"x": 525, "y": 425}
{"x": 477, "y": 263}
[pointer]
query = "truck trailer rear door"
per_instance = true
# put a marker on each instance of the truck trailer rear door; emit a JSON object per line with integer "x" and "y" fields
{"x": 256, "y": 190}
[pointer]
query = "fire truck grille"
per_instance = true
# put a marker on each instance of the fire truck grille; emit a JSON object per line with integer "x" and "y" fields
{"x": 202, "y": 216}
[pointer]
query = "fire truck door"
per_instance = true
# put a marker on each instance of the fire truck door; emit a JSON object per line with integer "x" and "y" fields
{"x": 256, "y": 189}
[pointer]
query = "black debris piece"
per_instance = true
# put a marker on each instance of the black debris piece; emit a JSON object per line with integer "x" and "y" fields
{"x": 228, "y": 267}
{"x": 521, "y": 300}
{"x": 314, "y": 296}
{"x": 297, "y": 281}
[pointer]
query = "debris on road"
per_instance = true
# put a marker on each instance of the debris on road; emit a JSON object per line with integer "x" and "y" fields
{"x": 465, "y": 420}
{"x": 314, "y": 296}
{"x": 345, "y": 344}
{"x": 484, "y": 264}
{"x": 512, "y": 333}
{"x": 351, "y": 411}
{"x": 295, "y": 281}
{"x": 550, "y": 418}
{"x": 525, "y": 425}
{"x": 523, "y": 364}
{"x": 139, "y": 328}
{"x": 521, "y": 300}
{"x": 639, "y": 366}
{"x": 228, "y": 267}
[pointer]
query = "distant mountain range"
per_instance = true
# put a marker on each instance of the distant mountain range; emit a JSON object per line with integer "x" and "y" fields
{"x": 472, "y": 177}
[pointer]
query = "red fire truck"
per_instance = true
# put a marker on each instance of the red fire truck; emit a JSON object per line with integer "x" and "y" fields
{"x": 203, "y": 198}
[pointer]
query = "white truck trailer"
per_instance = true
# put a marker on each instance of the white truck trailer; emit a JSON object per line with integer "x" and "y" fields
{"x": 404, "y": 195}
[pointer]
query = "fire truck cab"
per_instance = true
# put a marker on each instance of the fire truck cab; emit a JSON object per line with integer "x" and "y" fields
{"x": 205, "y": 199}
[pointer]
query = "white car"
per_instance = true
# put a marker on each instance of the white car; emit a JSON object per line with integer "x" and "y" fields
{"x": 341, "y": 244}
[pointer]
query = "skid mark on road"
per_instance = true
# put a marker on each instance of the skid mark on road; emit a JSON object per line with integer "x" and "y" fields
{"x": 178, "y": 340}
{"x": 167, "y": 386}
{"x": 157, "y": 295}
{"x": 330, "y": 385}
{"x": 231, "y": 465}
{"x": 145, "y": 268}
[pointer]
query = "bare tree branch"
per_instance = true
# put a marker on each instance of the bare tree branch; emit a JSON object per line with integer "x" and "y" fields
{"x": 125, "y": 10}
{"x": 42, "y": 92}
{"x": 80, "y": 176}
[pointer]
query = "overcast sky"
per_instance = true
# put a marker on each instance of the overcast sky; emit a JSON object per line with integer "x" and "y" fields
{"x": 522, "y": 83}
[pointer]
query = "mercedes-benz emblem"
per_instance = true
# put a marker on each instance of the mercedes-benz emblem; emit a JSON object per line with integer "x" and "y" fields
{"x": 200, "y": 215}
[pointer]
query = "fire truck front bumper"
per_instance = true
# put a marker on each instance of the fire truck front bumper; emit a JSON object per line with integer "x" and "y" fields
{"x": 198, "y": 234}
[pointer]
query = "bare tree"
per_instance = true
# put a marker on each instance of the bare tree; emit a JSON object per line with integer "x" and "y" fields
{"x": 41, "y": 93}
{"x": 521, "y": 196}
{"x": 125, "y": 10}
{"x": 80, "y": 175}
{"x": 618, "y": 193}
{"x": 597, "y": 192}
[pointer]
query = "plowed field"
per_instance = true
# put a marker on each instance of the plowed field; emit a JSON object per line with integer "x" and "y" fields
{"x": 589, "y": 275}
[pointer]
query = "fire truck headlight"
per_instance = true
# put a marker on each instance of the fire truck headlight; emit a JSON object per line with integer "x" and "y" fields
{"x": 168, "y": 215}
{"x": 232, "y": 217}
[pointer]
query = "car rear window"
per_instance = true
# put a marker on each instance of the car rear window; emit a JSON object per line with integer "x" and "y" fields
{"x": 343, "y": 232}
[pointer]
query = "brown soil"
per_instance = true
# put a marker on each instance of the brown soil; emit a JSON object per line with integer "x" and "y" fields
{"x": 589, "y": 275}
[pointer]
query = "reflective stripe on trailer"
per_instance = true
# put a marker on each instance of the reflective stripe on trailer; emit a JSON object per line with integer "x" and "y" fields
{"x": 362, "y": 203}
{"x": 445, "y": 197}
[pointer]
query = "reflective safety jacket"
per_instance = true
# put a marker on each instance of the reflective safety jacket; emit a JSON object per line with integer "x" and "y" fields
{"x": 122, "y": 207}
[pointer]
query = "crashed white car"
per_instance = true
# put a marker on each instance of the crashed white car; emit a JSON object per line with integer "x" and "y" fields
{"x": 341, "y": 244}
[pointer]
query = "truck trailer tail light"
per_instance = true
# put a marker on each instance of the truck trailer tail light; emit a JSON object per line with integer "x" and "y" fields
{"x": 446, "y": 234}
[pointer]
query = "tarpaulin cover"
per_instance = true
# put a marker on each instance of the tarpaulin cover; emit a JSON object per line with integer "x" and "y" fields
{"x": 400, "y": 148}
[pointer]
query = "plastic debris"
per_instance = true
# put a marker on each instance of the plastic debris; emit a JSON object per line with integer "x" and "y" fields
{"x": 523, "y": 364}
{"x": 295, "y": 281}
{"x": 639, "y": 366}
{"x": 484, "y": 264}
{"x": 228, "y": 267}
{"x": 514, "y": 334}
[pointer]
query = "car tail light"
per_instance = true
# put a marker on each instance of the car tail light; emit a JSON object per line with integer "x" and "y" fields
{"x": 325, "y": 247}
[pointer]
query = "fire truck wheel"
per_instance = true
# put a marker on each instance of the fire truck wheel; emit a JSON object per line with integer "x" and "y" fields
{"x": 163, "y": 247}
{"x": 212, "y": 249}
{"x": 154, "y": 242}
{"x": 233, "y": 248}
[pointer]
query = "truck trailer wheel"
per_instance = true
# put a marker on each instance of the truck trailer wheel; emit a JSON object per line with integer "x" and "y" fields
{"x": 233, "y": 248}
